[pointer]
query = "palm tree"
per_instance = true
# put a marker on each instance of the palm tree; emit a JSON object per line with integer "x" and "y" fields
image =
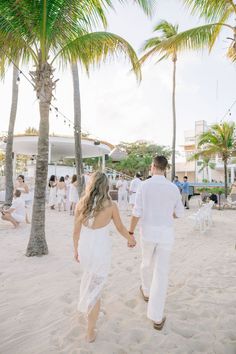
{"x": 77, "y": 128}
{"x": 47, "y": 31}
{"x": 218, "y": 140}
{"x": 218, "y": 13}
{"x": 9, "y": 186}
{"x": 154, "y": 46}
{"x": 206, "y": 164}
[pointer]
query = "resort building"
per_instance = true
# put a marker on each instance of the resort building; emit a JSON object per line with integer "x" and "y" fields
{"x": 193, "y": 169}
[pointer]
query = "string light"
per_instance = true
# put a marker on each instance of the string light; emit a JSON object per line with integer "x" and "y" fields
{"x": 58, "y": 112}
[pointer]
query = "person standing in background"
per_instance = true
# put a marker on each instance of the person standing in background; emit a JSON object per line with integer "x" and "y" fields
{"x": 133, "y": 188}
{"x": 185, "y": 192}
{"x": 74, "y": 195}
{"x": 52, "y": 184}
{"x": 122, "y": 186}
{"x": 178, "y": 183}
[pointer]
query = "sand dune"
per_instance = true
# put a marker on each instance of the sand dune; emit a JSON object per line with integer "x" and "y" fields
{"x": 38, "y": 296}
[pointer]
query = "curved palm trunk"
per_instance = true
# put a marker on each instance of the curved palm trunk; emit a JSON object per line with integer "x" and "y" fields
{"x": 9, "y": 186}
{"x": 174, "y": 121}
{"x": 226, "y": 177}
{"x": 44, "y": 85}
{"x": 77, "y": 128}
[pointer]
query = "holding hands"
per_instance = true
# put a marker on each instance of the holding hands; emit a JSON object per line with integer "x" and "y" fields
{"x": 131, "y": 240}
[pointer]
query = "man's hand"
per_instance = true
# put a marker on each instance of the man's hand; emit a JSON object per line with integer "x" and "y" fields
{"x": 76, "y": 256}
{"x": 131, "y": 242}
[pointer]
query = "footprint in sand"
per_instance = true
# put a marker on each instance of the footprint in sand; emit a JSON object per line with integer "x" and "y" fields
{"x": 67, "y": 298}
{"x": 131, "y": 303}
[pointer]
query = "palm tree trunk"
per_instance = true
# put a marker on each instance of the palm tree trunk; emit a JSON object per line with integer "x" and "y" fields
{"x": 77, "y": 128}
{"x": 226, "y": 177}
{"x": 42, "y": 77}
{"x": 9, "y": 186}
{"x": 174, "y": 120}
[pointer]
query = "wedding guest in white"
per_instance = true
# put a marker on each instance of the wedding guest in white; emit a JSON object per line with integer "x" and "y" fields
{"x": 52, "y": 184}
{"x": 67, "y": 182}
{"x": 73, "y": 195}
{"x": 92, "y": 245}
{"x": 61, "y": 193}
{"x": 157, "y": 203}
{"x": 24, "y": 188}
{"x": 16, "y": 213}
{"x": 122, "y": 186}
{"x": 135, "y": 183}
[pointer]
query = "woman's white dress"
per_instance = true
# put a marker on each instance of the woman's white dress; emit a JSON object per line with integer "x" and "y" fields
{"x": 61, "y": 195}
{"x": 95, "y": 259}
{"x": 52, "y": 196}
{"x": 73, "y": 194}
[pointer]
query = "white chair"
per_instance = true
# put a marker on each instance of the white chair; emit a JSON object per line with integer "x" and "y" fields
{"x": 203, "y": 217}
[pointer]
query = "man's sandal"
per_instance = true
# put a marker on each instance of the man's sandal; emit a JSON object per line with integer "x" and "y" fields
{"x": 145, "y": 298}
{"x": 159, "y": 326}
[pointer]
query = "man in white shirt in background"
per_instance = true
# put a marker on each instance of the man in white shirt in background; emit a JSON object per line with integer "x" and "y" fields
{"x": 157, "y": 203}
{"x": 122, "y": 186}
{"x": 134, "y": 184}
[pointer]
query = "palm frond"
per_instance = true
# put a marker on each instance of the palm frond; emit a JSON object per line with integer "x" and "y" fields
{"x": 96, "y": 47}
{"x": 211, "y": 10}
{"x": 194, "y": 38}
{"x": 166, "y": 29}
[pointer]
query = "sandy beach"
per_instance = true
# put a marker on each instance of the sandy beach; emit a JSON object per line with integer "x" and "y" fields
{"x": 39, "y": 295}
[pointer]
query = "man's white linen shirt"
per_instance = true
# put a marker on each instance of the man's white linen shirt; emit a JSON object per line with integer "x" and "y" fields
{"x": 135, "y": 183}
{"x": 157, "y": 199}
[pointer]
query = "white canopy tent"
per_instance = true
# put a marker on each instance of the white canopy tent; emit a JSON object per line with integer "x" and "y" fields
{"x": 60, "y": 148}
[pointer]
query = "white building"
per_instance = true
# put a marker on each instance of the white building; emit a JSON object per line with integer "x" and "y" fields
{"x": 192, "y": 168}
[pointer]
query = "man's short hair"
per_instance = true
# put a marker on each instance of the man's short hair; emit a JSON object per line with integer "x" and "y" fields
{"x": 138, "y": 175}
{"x": 160, "y": 162}
{"x": 186, "y": 177}
{"x": 176, "y": 177}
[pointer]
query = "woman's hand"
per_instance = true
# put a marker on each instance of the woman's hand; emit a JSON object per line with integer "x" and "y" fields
{"x": 131, "y": 242}
{"x": 76, "y": 256}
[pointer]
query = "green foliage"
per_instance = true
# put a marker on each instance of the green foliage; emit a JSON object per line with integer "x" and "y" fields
{"x": 217, "y": 11}
{"x": 31, "y": 131}
{"x": 139, "y": 158}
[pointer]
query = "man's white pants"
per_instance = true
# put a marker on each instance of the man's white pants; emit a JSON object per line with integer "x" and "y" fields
{"x": 154, "y": 276}
{"x": 122, "y": 200}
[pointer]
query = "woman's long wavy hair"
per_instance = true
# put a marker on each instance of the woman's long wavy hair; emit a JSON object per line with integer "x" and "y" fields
{"x": 95, "y": 198}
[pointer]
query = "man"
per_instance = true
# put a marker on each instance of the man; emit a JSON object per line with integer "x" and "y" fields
{"x": 157, "y": 203}
{"x": 185, "y": 192}
{"x": 122, "y": 186}
{"x": 135, "y": 183}
{"x": 16, "y": 213}
{"x": 177, "y": 183}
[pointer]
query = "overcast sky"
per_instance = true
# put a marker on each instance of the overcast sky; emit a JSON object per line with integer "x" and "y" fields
{"x": 115, "y": 108}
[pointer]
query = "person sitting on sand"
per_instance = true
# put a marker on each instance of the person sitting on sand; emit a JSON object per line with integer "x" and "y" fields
{"x": 92, "y": 245}
{"x": 16, "y": 213}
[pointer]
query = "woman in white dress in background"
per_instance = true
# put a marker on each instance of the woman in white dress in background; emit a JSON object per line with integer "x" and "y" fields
{"x": 73, "y": 194}
{"x": 61, "y": 193}
{"x": 52, "y": 184}
{"x": 92, "y": 245}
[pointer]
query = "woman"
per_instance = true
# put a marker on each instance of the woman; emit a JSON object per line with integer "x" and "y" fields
{"x": 92, "y": 245}
{"x": 61, "y": 193}
{"x": 16, "y": 213}
{"x": 52, "y": 184}
{"x": 23, "y": 187}
{"x": 233, "y": 188}
{"x": 73, "y": 194}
